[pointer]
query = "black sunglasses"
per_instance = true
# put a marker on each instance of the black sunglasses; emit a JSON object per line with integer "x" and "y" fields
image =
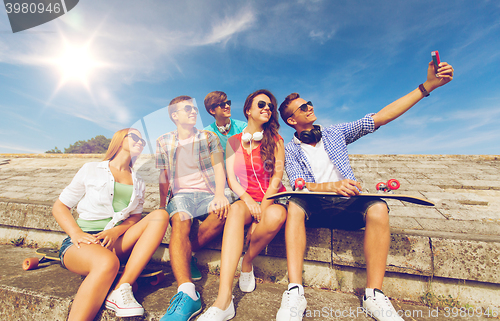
{"x": 136, "y": 138}
{"x": 261, "y": 104}
{"x": 189, "y": 108}
{"x": 222, "y": 105}
{"x": 303, "y": 107}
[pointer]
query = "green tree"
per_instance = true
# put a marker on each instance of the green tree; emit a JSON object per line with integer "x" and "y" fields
{"x": 54, "y": 151}
{"x": 96, "y": 145}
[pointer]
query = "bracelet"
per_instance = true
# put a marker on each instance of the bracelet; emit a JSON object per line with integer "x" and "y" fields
{"x": 423, "y": 90}
{"x": 161, "y": 208}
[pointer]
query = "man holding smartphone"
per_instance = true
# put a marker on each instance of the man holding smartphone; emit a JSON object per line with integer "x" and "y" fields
{"x": 319, "y": 156}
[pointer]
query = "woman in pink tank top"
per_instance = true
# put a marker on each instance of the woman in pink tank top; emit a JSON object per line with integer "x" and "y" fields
{"x": 254, "y": 163}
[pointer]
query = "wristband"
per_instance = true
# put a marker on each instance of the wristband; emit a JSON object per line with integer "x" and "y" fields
{"x": 423, "y": 90}
{"x": 161, "y": 208}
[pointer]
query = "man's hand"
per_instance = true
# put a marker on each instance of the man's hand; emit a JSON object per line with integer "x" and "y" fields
{"x": 220, "y": 206}
{"x": 347, "y": 187}
{"x": 437, "y": 79}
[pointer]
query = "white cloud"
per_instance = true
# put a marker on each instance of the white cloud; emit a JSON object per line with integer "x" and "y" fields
{"x": 229, "y": 26}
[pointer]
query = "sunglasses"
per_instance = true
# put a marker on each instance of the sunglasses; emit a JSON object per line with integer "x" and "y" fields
{"x": 261, "y": 104}
{"x": 303, "y": 107}
{"x": 188, "y": 109}
{"x": 136, "y": 138}
{"x": 222, "y": 105}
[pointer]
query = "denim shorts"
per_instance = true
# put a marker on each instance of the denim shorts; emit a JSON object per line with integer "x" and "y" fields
{"x": 66, "y": 243}
{"x": 196, "y": 204}
{"x": 342, "y": 213}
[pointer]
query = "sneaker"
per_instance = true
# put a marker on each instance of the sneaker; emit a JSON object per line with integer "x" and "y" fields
{"x": 216, "y": 314}
{"x": 247, "y": 281}
{"x": 122, "y": 301}
{"x": 293, "y": 306}
{"x": 195, "y": 272}
{"x": 380, "y": 307}
{"x": 182, "y": 308}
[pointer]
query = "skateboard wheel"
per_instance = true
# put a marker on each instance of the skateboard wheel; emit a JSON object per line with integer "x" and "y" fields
{"x": 157, "y": 279}
{"x": 300, "y": 183}
{"x": 30, "y": 263}
{"x": 380, "y": 186}
{"x": 393, "y": 184}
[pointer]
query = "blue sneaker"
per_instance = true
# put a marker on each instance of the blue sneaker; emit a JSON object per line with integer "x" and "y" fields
{"x": 182, "y": 308}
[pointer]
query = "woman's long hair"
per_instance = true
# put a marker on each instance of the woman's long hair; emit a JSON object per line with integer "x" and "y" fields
{"x": 268, "y": 143}
{"x": 116, "y": 144}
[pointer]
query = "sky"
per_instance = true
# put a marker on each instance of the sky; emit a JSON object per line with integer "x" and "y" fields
{"x": 107, "y": 65}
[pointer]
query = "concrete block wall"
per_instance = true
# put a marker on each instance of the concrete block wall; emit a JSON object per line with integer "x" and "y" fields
{"x": 450, "y": 249}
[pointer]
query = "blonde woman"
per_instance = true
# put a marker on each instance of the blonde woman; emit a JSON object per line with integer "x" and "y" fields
{"x": 256, "y": 158}
{"x": 109, "y": 229}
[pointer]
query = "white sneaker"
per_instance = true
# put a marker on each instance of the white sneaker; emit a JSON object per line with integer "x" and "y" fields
{"x": 247, "y": 281}
{"x": 122, "y": 301}
{"x": 216, "y": 314}
{"x": 293, "y": 306}
{"x": 380, "y": 307}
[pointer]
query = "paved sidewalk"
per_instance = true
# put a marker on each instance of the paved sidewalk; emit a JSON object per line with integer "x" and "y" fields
{"x": 46, "y": 294}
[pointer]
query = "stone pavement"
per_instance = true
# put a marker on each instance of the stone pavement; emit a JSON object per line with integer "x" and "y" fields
{"x": 46, "y": 294}
{"x": 451, "y": 249}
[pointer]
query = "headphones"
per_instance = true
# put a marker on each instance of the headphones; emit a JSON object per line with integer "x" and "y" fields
{"x": 310, "y": 136}
{"x": 257, "y": 136}
{"x": 247, "y": 138}
{"x": 224, "y": 128}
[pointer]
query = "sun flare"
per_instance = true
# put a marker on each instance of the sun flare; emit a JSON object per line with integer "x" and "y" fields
{"x": 76, "y": 64}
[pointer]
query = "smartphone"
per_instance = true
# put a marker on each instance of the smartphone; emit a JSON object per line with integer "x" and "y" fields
{"x": 435, "y": 59}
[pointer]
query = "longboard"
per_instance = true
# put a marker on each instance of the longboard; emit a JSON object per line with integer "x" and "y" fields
{"x": 49, "y": 255}
{"x": 405, "y": 198}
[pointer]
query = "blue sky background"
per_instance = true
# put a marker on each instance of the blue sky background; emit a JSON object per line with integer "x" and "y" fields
{"x": 348, "y": 57}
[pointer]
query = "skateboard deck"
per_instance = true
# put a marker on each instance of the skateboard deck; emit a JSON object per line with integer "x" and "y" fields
{"x": 405, "y": 198}
{"x": 156, "y": 275}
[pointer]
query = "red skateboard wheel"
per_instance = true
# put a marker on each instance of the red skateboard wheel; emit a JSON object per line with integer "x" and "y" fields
{"x": 380, "y": 186}
{"x": 30, "y": 263}
{"x": 393, "y": 184}
{"x": 300, "y": 183}
{"x": 157, "y": 279}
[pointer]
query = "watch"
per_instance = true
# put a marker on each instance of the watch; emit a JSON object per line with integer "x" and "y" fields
{"x": 423, "y": 90}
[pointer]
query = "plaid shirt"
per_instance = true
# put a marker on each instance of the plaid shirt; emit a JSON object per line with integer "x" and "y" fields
{"x": 206, "y": 143}
{"x": 335, "y": 139}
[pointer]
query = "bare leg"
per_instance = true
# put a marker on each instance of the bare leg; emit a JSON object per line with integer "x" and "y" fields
{"x": 142, "y": 240}
{"x": 208, "y": 230}
{"x": 272, "y": 219}
{"x": 180, "y": 247}
{"x": 232, "y": 247}
{"x": 100, "y": 266}
{"x": 295, "y": 238}
{"x": 376, "y": 244}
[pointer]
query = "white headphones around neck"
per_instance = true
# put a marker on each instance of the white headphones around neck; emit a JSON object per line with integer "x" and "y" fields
{"x": 257, "y": 136}
{"x": 224, "y": 128}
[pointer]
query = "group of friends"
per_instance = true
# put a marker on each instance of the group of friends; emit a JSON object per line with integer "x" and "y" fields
{"x": 223, "y": 175}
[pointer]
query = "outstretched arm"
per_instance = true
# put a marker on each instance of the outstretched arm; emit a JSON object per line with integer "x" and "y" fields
{"x": 403, "y": 104}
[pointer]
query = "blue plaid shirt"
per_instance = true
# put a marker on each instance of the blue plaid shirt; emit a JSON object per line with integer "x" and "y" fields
{"x": 335, "y": 139}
